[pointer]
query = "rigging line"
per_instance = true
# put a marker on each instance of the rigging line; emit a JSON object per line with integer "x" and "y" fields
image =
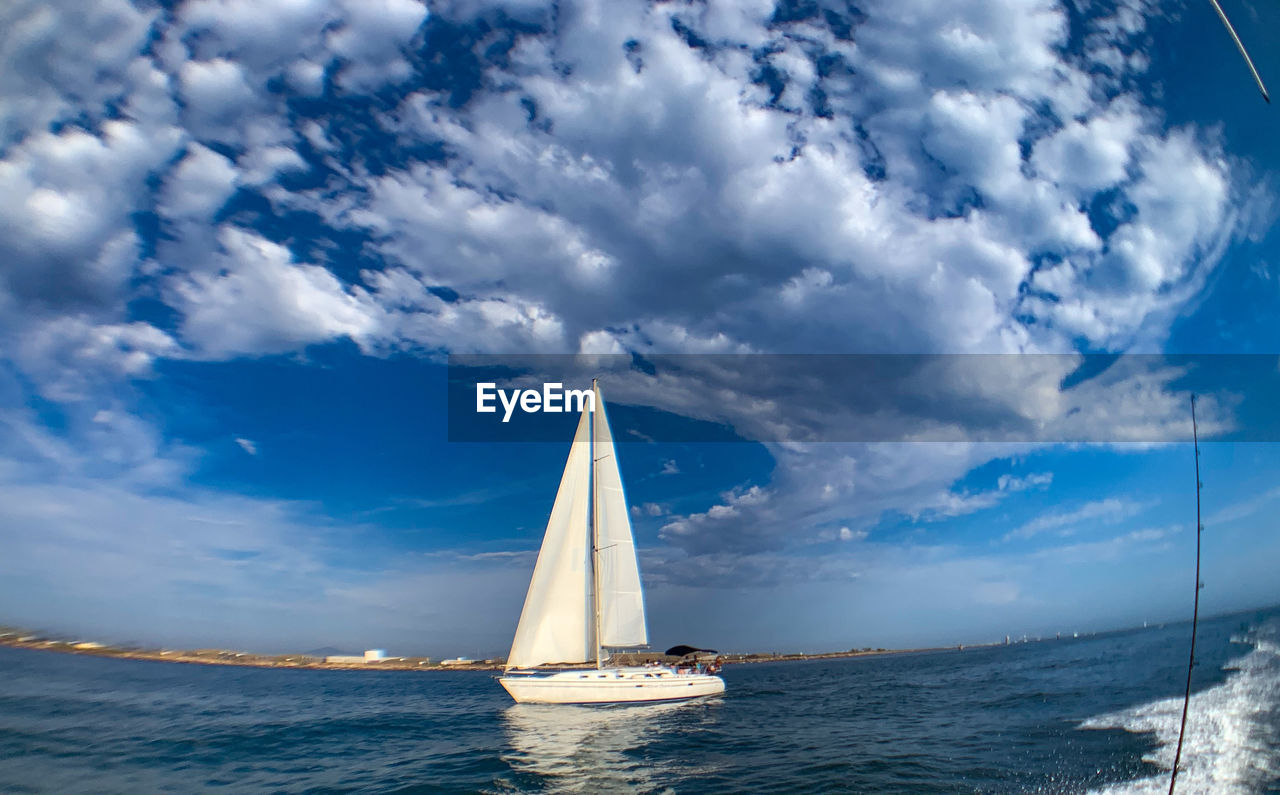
{"x": 1240, "y": 45}
{"x": 1195, "y": 611}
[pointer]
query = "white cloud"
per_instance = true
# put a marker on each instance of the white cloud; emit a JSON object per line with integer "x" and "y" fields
{"x": 1242, "y": 509}
{"x": 301, "y": 39}
{"x": 199, "y": 185}
{"x": 852, "y": 535}
{"x": 417, "y": 318}
{"x": 100, "y": 440}
{"x": 198, "y": 568}
{"x": 817, "y": 487}
{"x": 767, "y": 203}
{"x": 666, "y": 165}
{"x": 263, "y": 303}
{"x": 369, "y": 40}
{"x": 59, "y": 60}
{"x": 248, "y": 445}
{"x": 265, "y": 35}
{"x": 600, "y": 343}
{"x": 1105, "y": 511}
{"x": 721, "y": 524}
{"x": 1133, "y": 543}
{"x": 262, "y": 164}
{"x": 216, "y": 94}
{"x": 947, "y": 504}
{"x": 1036, "y": 480}
{"x": 1092, "y": 155}
{"x": 66, "y": 235}
{"x": 649, "y": 509}
{"x": 70, "y": 357}
{"x": 657, "y": 200}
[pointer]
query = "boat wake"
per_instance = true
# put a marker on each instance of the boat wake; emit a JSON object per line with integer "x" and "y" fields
{"x": 1233, "y": 729}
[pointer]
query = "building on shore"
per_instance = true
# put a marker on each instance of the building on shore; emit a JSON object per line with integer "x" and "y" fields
{"x": 344, "y": 659}
{"x": 369, "y": 656}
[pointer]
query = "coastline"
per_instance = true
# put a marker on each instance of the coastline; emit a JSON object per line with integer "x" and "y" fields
{"x": 312, "y": 662}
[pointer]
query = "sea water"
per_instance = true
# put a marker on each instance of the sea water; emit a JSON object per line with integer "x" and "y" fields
{"x": 1081, "y": 714}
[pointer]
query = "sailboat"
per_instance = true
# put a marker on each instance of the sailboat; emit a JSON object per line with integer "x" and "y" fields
{"x": 585, "y": 596}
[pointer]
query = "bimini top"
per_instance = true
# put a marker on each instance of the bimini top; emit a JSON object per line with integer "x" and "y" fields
{"x": 682, "y": 650}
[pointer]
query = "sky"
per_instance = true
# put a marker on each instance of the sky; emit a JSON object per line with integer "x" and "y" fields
{"x": 240, "y": 241}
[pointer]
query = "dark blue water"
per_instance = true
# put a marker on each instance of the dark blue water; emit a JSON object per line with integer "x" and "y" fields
{"x": 1097, "y": 713}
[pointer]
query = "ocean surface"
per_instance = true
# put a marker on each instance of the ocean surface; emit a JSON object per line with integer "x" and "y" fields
{"x": 1095, "y": 713}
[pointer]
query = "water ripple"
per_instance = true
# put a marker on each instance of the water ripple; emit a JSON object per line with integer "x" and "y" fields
{"x": 1054, "y": 717}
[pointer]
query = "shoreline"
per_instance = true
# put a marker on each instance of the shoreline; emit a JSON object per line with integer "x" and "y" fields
{"x": 19, "y": 638}
{"x": 228, "y": 657}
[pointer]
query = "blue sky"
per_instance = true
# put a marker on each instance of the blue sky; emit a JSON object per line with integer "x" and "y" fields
{"x": 239, "y": 240}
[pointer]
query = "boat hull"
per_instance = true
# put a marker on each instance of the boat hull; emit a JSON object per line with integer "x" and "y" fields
{"x": 610, "y": 686}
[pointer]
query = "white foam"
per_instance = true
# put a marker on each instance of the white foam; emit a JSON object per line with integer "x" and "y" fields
{"x": 1232, "y": 742}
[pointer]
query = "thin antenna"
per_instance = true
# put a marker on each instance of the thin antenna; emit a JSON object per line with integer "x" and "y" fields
{"x": 1195, "y": 610}
{"x": 1240, "y": 45}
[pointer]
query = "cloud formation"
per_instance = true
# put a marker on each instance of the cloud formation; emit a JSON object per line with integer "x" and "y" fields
{"x": 736, "y": 178}
{"x": 1107, "y": 511}
{"x": 219, "y": 179}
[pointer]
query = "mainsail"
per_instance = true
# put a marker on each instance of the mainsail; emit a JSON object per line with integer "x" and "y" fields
{"x": 556, "y": 622}
{"x": 621, "y": 599}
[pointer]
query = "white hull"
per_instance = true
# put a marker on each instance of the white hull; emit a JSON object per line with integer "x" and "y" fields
{"x": 610, "y": 686}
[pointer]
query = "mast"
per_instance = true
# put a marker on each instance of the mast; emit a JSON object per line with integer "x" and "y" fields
{"x": 595, "y": 529}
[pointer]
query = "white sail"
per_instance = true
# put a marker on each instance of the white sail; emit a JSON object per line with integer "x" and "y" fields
{"x": 564, "y": 618}
{"x": 621, "y": 600}
{"x": 556, "y": 622}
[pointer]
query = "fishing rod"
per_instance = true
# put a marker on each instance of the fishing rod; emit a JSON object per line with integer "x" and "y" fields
{"x": 1240, "y": 46}
{"x": 1195, "y": 610}
{"x": 1195, "y": 440}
